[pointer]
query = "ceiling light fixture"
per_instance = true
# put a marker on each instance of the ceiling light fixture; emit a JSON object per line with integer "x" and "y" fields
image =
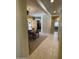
{"x": 51, "y": 0}
{"x": 54, "y": 12}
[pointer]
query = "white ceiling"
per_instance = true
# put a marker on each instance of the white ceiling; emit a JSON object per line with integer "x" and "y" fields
{"x": 36, "y": 10}
{"x": 55, "y": 6}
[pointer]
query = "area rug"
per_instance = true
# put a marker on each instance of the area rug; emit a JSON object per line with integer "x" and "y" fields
{"x": 35, "y": 43}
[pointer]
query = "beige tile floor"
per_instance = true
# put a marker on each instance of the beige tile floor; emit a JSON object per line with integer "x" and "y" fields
{"x": 55, "y": 45}
{"x": 47, "y": 49}
{"x": 35, "y": 43}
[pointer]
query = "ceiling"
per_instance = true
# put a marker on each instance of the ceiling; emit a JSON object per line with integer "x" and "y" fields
{"x": 36, "y": 9}
{"x": 55, "y": 6}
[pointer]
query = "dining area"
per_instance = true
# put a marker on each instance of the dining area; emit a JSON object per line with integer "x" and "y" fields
{"x": 34, "y": 33}
{"x": 33, "y": 28}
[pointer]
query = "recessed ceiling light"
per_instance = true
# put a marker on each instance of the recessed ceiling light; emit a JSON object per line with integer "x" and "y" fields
{"x": 54, "y": 12}
{"x": 51, "y": 0}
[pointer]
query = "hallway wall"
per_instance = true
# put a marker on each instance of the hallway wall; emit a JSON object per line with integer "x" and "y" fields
{"x": 52, "y": 25}
{"x": 60, "y": 38}
{"x": 22, "y": 49}
{"x": 46, "y": 24}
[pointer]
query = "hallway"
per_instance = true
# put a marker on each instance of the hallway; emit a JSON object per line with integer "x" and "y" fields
{"x": 27, "y": 27}
{"x": 45, "y": 49}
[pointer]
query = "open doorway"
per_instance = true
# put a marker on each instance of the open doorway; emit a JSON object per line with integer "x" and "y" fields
{"x": 35, "y": 25}
{"x": 56, "y": 23}
{"x": 35, "y": 37}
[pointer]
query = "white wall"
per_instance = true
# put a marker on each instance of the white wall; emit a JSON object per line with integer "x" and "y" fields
{"x": 34, "y": 23}
{"x": 46, "y": 23}
{"x": 22, "y": 49}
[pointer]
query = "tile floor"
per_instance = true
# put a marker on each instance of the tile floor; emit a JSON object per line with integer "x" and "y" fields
{"x": 35, "y": 43}
{"x": 48, "y": 49}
